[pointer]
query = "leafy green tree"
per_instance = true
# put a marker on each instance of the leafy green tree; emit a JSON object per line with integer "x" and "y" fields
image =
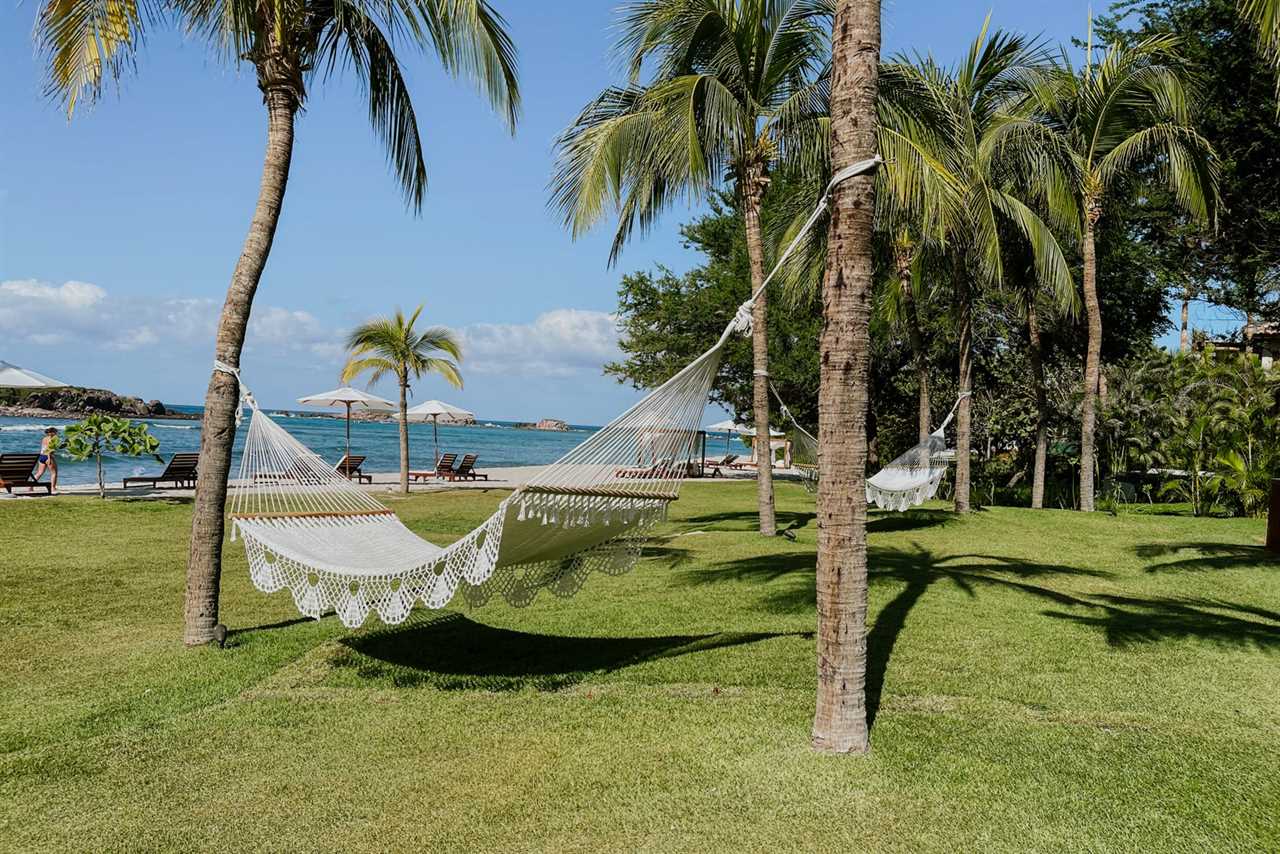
{"x": 391, "y": 346}
{"x": 1238, "y": 265}
{"x": 1129, "y": 110}
{"x": 105, "y": 434}
{"x": 291, "y": 45}
{"x": 964, "y": 144}
{"x": 720, "y": 92}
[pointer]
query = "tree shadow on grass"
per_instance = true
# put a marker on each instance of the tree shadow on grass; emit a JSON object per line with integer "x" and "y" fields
{"x": 917, "y": 569}
{"x": 885, "y": 521}
{"x": 1128, "y": 621}
{"x": 452, "y": 652}
{"x": 746, "y": 521}
{"x": 1209, "y": 556}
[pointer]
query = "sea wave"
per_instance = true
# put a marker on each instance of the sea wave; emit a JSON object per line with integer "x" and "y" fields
{"x": 173, "y": 426}
{"x": 26, "y": 428}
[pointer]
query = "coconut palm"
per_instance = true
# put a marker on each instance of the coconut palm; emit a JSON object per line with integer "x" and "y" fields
{"x": 391, "y": 346}
{"x": 1128, "y": 112}
{"x": 1264, "y": 16}
{"x": 840, "y": 717}
{"x": 291, "y": 45}
{"x": 968, "y": 159}
{"x": 719, "y": 91}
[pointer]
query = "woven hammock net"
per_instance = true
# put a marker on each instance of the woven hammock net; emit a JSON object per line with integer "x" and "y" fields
{"x": 909, "y": 481}
{"x": 309, "y": 530}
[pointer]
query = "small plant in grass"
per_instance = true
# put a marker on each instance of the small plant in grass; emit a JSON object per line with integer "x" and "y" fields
{"x": 99, "y": 434}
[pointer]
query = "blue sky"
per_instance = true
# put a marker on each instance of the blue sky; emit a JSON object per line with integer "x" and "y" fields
{"x": 118, "y": 231}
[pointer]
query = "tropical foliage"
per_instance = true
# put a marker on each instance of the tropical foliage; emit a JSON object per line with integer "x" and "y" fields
{"x": 106, "y": 434}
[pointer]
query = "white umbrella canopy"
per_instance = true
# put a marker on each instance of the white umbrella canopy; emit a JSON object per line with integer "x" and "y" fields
{"x": 726, "y": 426}
{"x": 433, "y": 409}
{"x": 12, "y": 376}
{"x": 349, "y": 397}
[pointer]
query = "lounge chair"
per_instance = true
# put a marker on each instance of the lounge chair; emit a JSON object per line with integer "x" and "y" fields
{"x": 444, "y": 468}
{"x": 18, "y": 470}
{"x": 662, "y": 469}
{"x": 466, "y": 470}
{"x": 349, "y": 467}
{"x": 180, "y": 472}
{"x": 714, "y": 466}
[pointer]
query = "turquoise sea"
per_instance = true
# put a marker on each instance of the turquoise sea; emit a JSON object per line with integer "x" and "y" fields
{"x": 498, "y": 443}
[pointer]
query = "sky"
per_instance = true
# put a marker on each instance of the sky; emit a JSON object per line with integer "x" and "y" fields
{"x": 120, "y": 228}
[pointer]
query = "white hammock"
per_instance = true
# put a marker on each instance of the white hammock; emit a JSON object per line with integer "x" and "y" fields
{"x": 334, "y": 547}
{"x": 908, "y": 481}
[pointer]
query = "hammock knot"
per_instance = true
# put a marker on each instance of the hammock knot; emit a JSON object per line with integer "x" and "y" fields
{"x": 742, "y": 318}
{"x": 246, "y": 396}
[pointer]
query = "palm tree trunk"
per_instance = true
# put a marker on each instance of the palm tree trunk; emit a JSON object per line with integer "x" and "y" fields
{"x": 964, "y": 417}
{"x": 840, "y": 719}
{"x": 404, "y": 437}
{"x": 1093, "y": 355}
{"x": 903, "y": 259}
{"x": 752, "y": 186}
{"x": 218, "y": 426}
{"x": 1248, "y": 333}
{"x": 1184, "y": 339}
{"x": 1036, "y": 355}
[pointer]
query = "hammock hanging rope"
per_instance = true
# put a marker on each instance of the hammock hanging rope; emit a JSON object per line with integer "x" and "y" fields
{"x": 308, "y": 529}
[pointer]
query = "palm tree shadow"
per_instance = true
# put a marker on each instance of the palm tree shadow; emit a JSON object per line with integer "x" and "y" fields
{"x": 746, "y": 521}
{"x": 1127, "y": 621}
{"x": 1210, "y": 556}
{"x": 453, "y": 652}
{"x": 917, "y": 569}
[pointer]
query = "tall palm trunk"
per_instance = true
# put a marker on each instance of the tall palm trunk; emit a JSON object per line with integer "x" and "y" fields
{"x": 840, "y": 719}
{"x": 964, "y": 417}
{"x": 1248, "y": 333}
{"x": 1093, "y": 355}
{"x": 404, "y": 435}
{"x": 1035, "y": 353}
{"x": 752, "y": 186}
{"x": 903, "y": 258}
{"x": 1184, "y": 339}
{"x": 218, "y": 427}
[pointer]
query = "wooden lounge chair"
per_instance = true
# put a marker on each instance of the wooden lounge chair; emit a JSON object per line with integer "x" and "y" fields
{"x": 444, "y": 468}
{"x": 349, "y": 467}
{"x": 17, "y": 470}
{"x": 181, "y": 472}
{"x": 466, "y": 470}
{"x": 714, "y": 466}
{"x": 663, "y": 469}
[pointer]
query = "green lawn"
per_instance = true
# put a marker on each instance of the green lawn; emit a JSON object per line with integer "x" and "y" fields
{"x": 1041, "y": 681}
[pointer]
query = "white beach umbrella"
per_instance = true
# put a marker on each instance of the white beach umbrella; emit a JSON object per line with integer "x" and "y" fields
{"x": 349, "y": 397}
{"x": 433, "y": 409}
{"x": 11, "y": 376}
{"x": 728, "y": 427}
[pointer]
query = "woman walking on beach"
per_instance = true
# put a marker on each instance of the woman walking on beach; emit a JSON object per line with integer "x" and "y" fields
{"x": 47, "y": 460}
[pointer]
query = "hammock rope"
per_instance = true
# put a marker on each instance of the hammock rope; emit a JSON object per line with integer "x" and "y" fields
{"x": 308, "y": 529}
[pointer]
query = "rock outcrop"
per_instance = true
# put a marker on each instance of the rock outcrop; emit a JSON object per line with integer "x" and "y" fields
{"x": 74, "y": 402}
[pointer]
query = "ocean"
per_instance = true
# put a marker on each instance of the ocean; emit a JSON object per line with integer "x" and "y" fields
{"x": 498, "y": 443}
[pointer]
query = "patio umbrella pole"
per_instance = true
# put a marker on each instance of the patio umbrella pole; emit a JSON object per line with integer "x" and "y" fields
{"x": 435, "y": 435}
{"x": 348, "y": 428}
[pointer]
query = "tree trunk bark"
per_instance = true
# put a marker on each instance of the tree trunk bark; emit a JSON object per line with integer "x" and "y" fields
{"x": 1184, "y": 339}
{"x": 1036, "y": 355}
{"x": 964, "y": 411}
{"x": 404, "y": 437}
{"x": 1093, "y": 356}
{"x": 1248, "y": 333}
{"x": 903, "y": 257}
{"x": 840, "y": 719}
{"x": 218, "y": 426}
{"x": 752, "y": 186}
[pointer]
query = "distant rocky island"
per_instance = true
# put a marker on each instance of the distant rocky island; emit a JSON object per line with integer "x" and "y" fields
{"x": 373, "y": 415}
{"x": 75, "y": 402}
{"x": 546, "y": 424}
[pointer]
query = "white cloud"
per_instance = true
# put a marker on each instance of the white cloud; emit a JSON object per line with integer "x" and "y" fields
{"x": 563, "y": 342}
{"x": 79, "y": 313}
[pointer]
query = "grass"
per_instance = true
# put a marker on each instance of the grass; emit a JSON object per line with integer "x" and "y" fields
{"x": 1040, "y": 681}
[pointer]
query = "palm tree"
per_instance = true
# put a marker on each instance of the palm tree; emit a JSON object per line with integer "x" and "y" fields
{"x": 1129, "y": 111}
{"x": 840, "y": 719}
{"x": 391, "y": 346}
{"x": 290, "y": 44}
{"x": 969, "y": 158}
{"x": 1264, "y": 16}
{"x": 736, "y": 89}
